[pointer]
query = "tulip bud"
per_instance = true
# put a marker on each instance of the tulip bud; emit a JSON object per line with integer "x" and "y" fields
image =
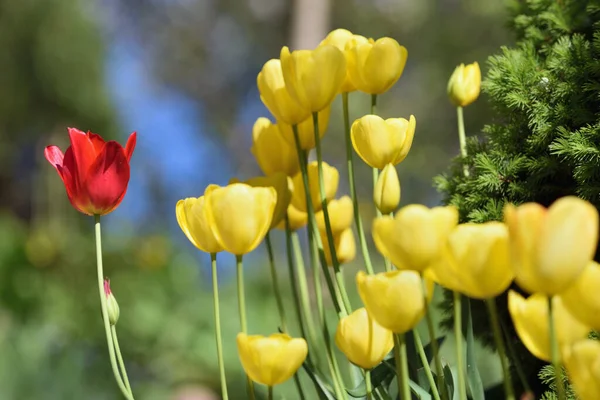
{"x": 111, "y": 304}
{"x": 272, "y": 152}
{"x": 306, "y": 130}
{"x": 387, "y": 190}
{"x": 341, "y": 215}
{"x": 331, "y": 176}
{"x": 582, "y": 298}
{"x": 464, "y": 84}
{"x": 582, "y": 361}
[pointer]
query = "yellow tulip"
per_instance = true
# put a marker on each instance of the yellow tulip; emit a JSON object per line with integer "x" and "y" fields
{"x": 271, "y": 360}
{"x": 272, "y": 152}
{"x": 340, "y": 38}
{"x": 387, "y": 190}
{"x": 313, "y": 77}
{"x": 476, "y": 260}
{"x": 582, "y": 361}
{"x": 530, "y": 317}
{"x": 297, "y": 219}
{"x": 340, "y": 215}
{"x": 275, "y": 96}
{"x": 306, "y": 130}
{"x": 240, "y": 215}
{"x": 464, "y": 84}
{"x": 374, "y": 66}
{"x": 582, "y": 298}
{"x": 345, "y": 247}
{"x": 192, "y": 220}
{"x": 414, "y": 238}
{"x": 551, "y": 247}
{"x": 362, "y": 340}
{"x": 380, "y": 142}
{"x": 394, "y": 299}
{"x": 331, "y": 176}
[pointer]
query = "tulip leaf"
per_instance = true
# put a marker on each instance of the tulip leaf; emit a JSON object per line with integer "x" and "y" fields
{"x": 417, "y": 390}
{"x": 451, "y": 382}
{"x": 379, "y": 376}
{"x": 473, "y": 376}
{"x": 324, "y": 390}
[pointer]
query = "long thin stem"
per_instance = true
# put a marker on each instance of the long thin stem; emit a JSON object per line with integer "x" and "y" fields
{"x": 373, "y": 104}
{"x": 439, "y": 371}
{"x": 368, "y": 384}
{"x": 458, "y": 337}
{"x": 350, "y": 160}
{"x": 401, "y": 365}
{"x": 219, "y": 340}
{"x": 515, "y": 360}
{"x": 493, "y": 312}
{"x": 297, "y": 303}
{"x": 275, "y": 282}
{"x": 462, "y": 138}
{"x": 242, "y": 311}
{"x": 299, "y": 386}
{"x": 270, "y": 393}
{"x": 336, "y": 264}
{"x": 113, "y": 332}
{"x": 556, "y": 362}
{"x": 425, "y": 362}
{"x": 109, "y": 340}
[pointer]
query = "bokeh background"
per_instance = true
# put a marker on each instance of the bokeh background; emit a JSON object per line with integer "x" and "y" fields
{"x": 182, "y": 73}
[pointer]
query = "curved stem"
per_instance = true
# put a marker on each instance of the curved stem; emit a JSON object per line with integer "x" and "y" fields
{"x": 349, "y": 159}
{"x": 462, "y": 138}
{"x": 368, "y": 384}
{"x": 401, "y": 365}
{"x": 109, "y": 340}
{"x": 242, "y": 311}
{"x": 113, "y": 331}
{"x": 493, "y": 311}
{"x": 425, "y": 362}
{"x": 275, "y": 281}
{"x": 458, "y": 337}
{"x": 556, "y": 362}
{"x": 439, "y": 371}
{"x": 219, "y": 340}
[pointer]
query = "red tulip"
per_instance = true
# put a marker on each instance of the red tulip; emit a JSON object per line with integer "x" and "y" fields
{"x": 95, "y": 172}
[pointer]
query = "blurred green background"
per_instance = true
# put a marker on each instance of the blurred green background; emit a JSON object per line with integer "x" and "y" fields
{"x": 182, "y": 73}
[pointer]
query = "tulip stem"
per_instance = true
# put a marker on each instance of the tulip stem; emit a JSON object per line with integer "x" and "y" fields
{"x": 439, "y": 371}
{"x": 339, "y": 277}
{"x": 288, "y": 245}
{"x": 109, "y": 339}
{"x": 270, "y": 393}
{"x": 515, "y": 360}
{"x": 215, "y": 283}
{"x": 368, "y": 384}
{"x": 373, "y": 104}
{"x": 493, "y": 311}
{"x": 276, "y": 282}
{"x": 350, "y": 160}
{"x": 401, "y": 358}
{"x": 113, "y": 331}
{"x": 425, "y": 362}
{"x": 462, "y": 138}
{"x": 458, "y": 337}
{"x": 242, "y": 311}
{"x": 556, "y": 362}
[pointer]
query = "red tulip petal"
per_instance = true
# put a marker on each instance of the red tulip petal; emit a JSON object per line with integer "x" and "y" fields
{"x": 84, "y": 152}
{"x": 130, "y": 146}
{"x": 96, "y": 141}
{"x": 54, "y": 155}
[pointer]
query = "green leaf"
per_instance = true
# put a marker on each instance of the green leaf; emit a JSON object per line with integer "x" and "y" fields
{"x": 324, "y": 390}
{"x": 473, "y": 376}
{"x": 379, "y": 375}
{"x": 451, "y": 384}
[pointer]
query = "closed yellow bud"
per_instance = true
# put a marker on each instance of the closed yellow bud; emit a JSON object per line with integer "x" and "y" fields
{"x": 551, "y": 247}
{"x": 341, "y": 214}
{"x": 387, "y": 190}
{"x": 362, "y": 340}
{"x": 306, "y": 130}
{"x": 582, "y": 298}
{"x": 272, "y": 152}
{"x": 374, "y": 66}
{"x": 340, "y": 38}
{"x": 414, "y": 238}
{"x": 331, "y": 176}
{"x": 380, "y": 142}
{"x": 464, "y": 84}
{"x": 394, "y": 299}
{"x": 240, "y": 215}
{"x": 582, "y": 361}
{"x": 193, "y": 222}
{"x": 476, "y": 260}
{"x": 345, "y": 247}
{"x": 530, "y": 317}
{"x": 313, "y": 77}
{"x": 275, "y": 96}
{"x": 271, "y": 360}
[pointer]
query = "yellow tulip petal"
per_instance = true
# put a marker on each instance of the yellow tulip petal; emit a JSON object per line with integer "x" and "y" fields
{"x": 341, "y": 215}
{"x": 386, "y": 194}
{"x": 193, "y": 222}
{"x": 306, "y": 130}
{"x": 331, "y": 178}
{"x": 582, "y": 361}
{"x": 272, "y": 152}
{"x": 582, "y": 298}
{"x": 283, "y": 186}
{"x": 464, "y": 85}
{"x": 345, "y": 247}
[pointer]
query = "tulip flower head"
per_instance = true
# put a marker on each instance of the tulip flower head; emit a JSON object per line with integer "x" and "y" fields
{"x": 345, "y": 247}
{"x": 362, "y": 340}
{"x": 95, "y": 172}
{"x": 331, "y": 176}
{"x": 582, "y": 298}
{"x": 464, "y": 84}
{"x": 380, "y": 142}
{"x": 551, "y": 247}
{"x": 530, "y": 317}
{"x": 306, "y": 130}
{"x": 192, "y": 219}
{"x": 272, "y": 152}
{"x": 582, "y": 360}
{"x": 414, "y": 238}
{"x": 386, "y": 194}
{"x": 271, "y": 360}
{"x": 341, "y": 38}
{"x": 341, "y": 215}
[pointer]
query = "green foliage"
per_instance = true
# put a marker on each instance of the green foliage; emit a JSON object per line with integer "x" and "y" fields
{"x": 544, "y": 142}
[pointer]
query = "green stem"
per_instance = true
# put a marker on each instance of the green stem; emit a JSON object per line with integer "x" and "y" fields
{"x": 270, "y": 393}
{"x": 368, "y": 384}
{"x": 297, "y": 304}
{"x": 217, "y": 314}
{"x": 275, "y": 281}
{"x": 115, "y": 339}
{"x": 299, "y": 386}
{"x": 493, "y": 311}
{"x": 425, "y": 362}
{"x": 333, "y": 366}
{"x": 109, "y": 340}
{"x": 349, "y": 159}
{"x": 314, "y": 256}
{"x": 334, "y": 260}
{"x": 458, "y": 337}
{"x": 401, "y": 365}
{"x": 388, "y": 264}
{"x": 373, "y": 104}
{"x": 556, "y": 362}
{"x": 515, "y": 360}
{"x": 242, "y": 311}
{"x": 462, "y": 138}
{"x": 439, "y": 371}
